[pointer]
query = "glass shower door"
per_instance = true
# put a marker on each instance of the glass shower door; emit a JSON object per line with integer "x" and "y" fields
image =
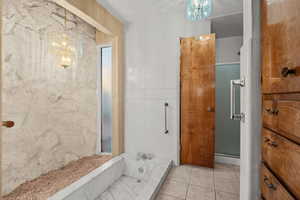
{"x": 227, "y": 130}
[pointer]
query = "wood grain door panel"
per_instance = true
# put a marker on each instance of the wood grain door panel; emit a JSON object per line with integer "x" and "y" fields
{"x": 197, "y": 80}
{"x": 271, "y": 188}
{"x": 280, "y": 46}
{"x": 283, "y": 157}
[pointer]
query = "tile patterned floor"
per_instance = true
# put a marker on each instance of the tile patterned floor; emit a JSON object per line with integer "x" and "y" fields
{"x": 197, "y": 183}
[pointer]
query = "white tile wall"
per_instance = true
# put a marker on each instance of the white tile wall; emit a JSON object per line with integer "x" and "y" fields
{"x": 152, "y": 78}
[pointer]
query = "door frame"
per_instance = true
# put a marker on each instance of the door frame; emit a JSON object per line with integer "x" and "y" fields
{"x": 251, "y": 103}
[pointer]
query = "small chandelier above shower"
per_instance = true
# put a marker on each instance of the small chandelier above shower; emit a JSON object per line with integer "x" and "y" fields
{"x": 61, "y": 45}
{"x": 198, "y": 9}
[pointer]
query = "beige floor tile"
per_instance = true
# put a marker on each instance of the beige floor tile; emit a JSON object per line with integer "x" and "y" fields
{"x": 237, "y": 172}
{"x": 228, "y": 166}
{"x": 202, "y": 177}
{"x": 203, "y": 181}
{"x": 225, "y": 172}
{"x": 166, "y": 197}
{"x": 197, "y": 183}
{"x": 227, "y": 185}
{"x": 202, "y": 171}
{"x": 175, "y": 189}
{"x": 181, "y": 174}
{"x": 226, "y": 196}
{"x": 200, "y": 193}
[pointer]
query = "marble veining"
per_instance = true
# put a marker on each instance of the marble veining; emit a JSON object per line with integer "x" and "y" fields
{"x": 53, "y": 108}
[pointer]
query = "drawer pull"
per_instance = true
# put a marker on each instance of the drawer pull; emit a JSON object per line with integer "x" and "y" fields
{"x": 271, "y": 111}
{"x": 272, "y": 143}
{"x": 267, "y": 140}
{"x": 268, "y": 184}
{"x": 286, "y": 71}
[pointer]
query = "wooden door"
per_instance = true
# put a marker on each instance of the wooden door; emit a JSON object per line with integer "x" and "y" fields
{"x": 198, "y": 100}
{"x": 280, "y": 33}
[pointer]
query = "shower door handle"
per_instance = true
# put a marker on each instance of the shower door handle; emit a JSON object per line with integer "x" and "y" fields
{"x": 166, "y": 118}
{"x": 233, "y": 85}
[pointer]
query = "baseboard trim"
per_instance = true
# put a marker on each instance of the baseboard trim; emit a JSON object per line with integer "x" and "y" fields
{"x": 226, "y": 159}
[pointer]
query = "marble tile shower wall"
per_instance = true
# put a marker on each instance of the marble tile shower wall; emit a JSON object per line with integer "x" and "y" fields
{"x": 53, "y": 108}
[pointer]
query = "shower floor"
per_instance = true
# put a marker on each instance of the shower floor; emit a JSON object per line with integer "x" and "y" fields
{"x": 126, "y": 188}
{"x": 48, "y": 184}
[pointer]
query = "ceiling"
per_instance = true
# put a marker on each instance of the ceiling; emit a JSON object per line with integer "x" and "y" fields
{"x": 126, "y": 9}
{"x": 227, "y": 17}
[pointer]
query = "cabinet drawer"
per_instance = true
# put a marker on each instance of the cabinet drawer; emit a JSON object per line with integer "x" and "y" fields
{"x": 283, "y": 157}
{"x": 271, "y": 188}
{"x": 281, "y": 113}
{"x": 280, "y": 46}
{"x": 289, "y": 119}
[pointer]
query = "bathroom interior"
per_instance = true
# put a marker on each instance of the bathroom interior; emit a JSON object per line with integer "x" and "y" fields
{"x": 137, "y": 100}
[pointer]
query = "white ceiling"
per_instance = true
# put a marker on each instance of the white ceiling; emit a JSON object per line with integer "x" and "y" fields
{"x": 126, "y": 9}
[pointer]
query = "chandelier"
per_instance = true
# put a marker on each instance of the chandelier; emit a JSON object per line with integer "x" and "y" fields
{"x": 61, "y": 46}
{"x": 198, "y": 9}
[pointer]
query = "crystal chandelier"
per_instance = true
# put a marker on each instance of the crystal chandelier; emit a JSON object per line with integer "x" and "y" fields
{"x": 61, "y": 46}
{"x": 198, "y": 9}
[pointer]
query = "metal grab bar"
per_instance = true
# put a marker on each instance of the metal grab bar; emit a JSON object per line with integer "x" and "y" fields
{"x": 166, "y": 118}
{"x": 233, "y": 85}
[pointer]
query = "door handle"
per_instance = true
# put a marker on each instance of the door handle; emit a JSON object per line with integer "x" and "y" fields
{"x": 8, "y": 124}
{"x": 233, "y": 85}
{"x": 210, "y": 109}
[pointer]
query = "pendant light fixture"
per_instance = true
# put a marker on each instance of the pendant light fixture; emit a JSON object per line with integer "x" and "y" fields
{"x": 61, "y": 46}
{"x": 198, "y": 9}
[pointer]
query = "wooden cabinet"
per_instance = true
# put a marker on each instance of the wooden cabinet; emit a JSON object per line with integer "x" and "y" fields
{"x": 283, "y": 157}
{"x": 271, "y": 188}
{"x": 280, "y": 45}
